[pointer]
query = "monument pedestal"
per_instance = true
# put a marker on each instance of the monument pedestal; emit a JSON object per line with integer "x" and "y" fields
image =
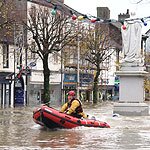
{"x": 131, "y": 109}
{"x": 131, "y": 92}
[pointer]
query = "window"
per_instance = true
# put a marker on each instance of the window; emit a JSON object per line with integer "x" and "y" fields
{"x": 5, "y": 55}
{"x": 55, "y": 57}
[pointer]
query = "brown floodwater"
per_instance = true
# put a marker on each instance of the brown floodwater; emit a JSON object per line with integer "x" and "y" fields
{"x": 19, "y": 132}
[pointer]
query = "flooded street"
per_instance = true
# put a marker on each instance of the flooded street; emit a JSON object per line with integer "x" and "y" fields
{"x": 19, "y": 132}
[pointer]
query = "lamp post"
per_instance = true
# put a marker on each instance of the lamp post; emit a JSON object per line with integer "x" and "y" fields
{"x": 13, "y": 104}
{"x": 26, "y": 78}
{"x": 62, "y": 77}
{"x": 78, "y": 67}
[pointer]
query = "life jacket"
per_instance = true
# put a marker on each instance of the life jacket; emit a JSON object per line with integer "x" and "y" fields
{"x": 77, "y": 110}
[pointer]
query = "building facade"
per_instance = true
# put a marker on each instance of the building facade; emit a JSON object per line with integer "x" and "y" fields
{"x": 22, "y": 77}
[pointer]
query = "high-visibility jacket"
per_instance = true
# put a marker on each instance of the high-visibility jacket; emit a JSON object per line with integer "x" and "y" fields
{"x": 74, "y": 108}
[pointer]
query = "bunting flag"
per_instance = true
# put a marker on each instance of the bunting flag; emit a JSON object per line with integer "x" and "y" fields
{"x": 56, "y": 5}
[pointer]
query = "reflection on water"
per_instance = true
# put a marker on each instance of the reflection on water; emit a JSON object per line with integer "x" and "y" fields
{"x": 58, "y": 138}
{"x": 18, "y": 131}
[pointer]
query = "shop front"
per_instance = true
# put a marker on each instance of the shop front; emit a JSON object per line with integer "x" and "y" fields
{"x": 85, "y": 89}
{"x": 5, "y": 88}
{"x": 19, "y": 94}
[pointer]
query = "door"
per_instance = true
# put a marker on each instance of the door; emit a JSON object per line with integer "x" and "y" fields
{"x": 19, "y": 91}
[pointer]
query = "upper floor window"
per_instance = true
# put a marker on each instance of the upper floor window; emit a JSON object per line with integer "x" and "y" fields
{"x": 55, "y": 57}
{"x": 5, "y": 55}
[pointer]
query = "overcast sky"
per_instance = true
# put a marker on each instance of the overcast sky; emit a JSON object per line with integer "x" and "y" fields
{"x": 116, "y": 7}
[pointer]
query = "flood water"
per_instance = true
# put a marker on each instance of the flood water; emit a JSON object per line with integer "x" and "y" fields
{"x": 19, "y": 132}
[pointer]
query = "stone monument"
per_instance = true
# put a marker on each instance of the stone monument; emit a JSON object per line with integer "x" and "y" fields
{"x": 131, "y": 73}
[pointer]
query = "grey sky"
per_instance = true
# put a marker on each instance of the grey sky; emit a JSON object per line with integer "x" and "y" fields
{"x": 116, "y": 7}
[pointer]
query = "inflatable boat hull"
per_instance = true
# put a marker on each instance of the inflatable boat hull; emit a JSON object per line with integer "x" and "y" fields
{"x": 52, "y": 118}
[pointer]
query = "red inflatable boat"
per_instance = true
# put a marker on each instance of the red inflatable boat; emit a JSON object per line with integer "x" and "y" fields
{"x": 52, "y": 118}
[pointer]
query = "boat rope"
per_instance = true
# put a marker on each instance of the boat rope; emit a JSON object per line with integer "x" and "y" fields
{"x": 47, "y": 104}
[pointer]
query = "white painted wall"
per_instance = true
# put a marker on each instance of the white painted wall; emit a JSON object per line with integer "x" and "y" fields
{"x": 148, "y": 43}
{"x": 11, "y": 59}
{"x": 110, "y": 73}
{"x": 37, "y": 77}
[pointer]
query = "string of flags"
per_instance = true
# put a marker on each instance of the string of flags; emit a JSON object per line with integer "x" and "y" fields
{"x": 93, "y": 19}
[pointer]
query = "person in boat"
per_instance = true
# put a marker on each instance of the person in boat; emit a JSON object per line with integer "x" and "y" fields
{"x": 73, "y": 107}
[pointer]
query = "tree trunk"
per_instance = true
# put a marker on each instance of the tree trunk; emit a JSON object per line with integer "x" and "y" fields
{"x": 46, "y": 72}
{"x": 95, "y": 87}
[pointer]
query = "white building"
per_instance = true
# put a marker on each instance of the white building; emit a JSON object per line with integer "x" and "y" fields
{"x": 14, "y": 58}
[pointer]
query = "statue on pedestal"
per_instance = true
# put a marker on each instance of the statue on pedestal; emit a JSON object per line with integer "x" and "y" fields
{"x": 131, "y": 38}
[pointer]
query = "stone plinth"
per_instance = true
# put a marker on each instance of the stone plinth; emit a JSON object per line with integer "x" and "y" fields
{"x": 131, "y": 92}
{"x": 131, "y": 109}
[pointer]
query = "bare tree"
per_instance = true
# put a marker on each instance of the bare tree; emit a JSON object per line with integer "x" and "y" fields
{"x": 3, "y": 14}
{"x": 100, "y": 46}
{"x": 50, "y": 33}
{"x": 6, "y": 19}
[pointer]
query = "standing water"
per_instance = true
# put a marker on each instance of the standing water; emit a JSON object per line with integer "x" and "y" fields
{"x": 19, "y": 132}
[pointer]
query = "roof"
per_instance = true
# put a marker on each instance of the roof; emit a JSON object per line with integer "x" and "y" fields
{"x": 60, "y": 6}
{"x": 117, "y": 24}
{"x": 148, "y": 32}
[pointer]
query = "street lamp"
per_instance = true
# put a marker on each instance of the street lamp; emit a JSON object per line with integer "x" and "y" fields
{"x": 78, "y": 67}
{"x": 62, "y": 78}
